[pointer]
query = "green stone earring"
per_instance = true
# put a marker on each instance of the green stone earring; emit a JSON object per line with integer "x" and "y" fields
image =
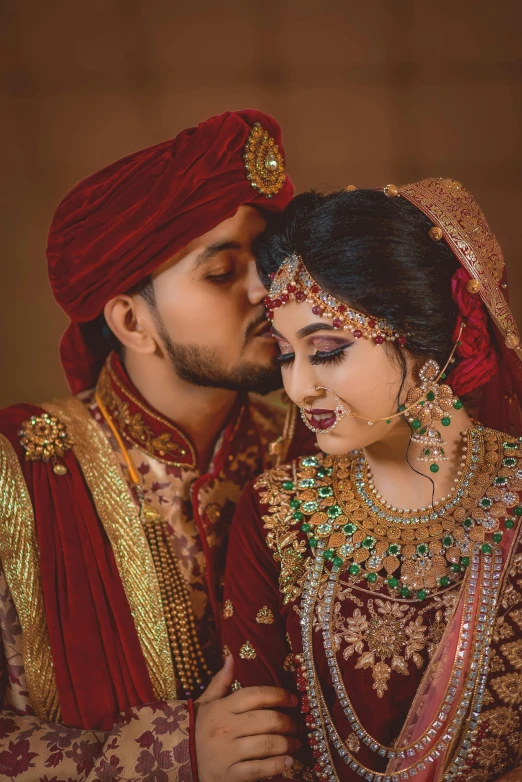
{"x": 428, "y": 404}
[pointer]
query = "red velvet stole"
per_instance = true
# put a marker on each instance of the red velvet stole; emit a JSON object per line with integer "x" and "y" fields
{"x": 98, "y": 662}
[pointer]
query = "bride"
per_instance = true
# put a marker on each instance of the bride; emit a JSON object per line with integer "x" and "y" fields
{"x": 382, "y": 578}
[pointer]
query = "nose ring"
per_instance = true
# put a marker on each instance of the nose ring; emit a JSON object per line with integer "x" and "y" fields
{"x": 340, "y": 411}
{"x": 340, "y": 408}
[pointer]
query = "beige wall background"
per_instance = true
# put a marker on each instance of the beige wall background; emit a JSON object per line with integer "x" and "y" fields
{"x": 367, "y": 93}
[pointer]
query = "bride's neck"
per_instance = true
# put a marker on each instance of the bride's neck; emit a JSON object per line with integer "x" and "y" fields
{"x": 391, "y": 461}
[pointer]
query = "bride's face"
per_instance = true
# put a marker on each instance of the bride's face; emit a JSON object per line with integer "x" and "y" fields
{"x": 367, "y": 378}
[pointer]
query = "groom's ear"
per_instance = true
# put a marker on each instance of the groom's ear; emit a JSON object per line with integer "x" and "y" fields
{"x": 129, "y": 318}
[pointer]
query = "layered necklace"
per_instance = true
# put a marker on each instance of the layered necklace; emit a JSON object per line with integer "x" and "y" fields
{"x": 353, "y": 533}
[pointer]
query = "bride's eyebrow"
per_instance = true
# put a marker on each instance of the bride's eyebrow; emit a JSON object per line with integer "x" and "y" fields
{"x": 312, "y": 328}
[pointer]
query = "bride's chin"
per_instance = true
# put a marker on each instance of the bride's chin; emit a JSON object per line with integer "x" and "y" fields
{"x": 335, "y": 444}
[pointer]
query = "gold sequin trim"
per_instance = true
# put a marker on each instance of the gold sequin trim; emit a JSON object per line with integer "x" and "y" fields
{"x": 236, "y": 685}
{"x": 265, "y": 616}
{"x": 20, "y": 558}
{"x": 448, "y": 204}
{"x": 247, "y": 651}
{"x": 228, "y": 609}
{"x": 120, "y": 519}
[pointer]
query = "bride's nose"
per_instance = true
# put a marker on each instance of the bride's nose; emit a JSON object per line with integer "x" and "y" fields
{"x": 314, "y": 397}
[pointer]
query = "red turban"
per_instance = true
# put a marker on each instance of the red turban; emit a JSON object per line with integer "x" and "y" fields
{"x": 120, "y": 224}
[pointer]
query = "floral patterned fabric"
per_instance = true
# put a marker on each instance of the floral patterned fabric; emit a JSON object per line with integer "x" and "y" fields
{"x": 149, "y": 743}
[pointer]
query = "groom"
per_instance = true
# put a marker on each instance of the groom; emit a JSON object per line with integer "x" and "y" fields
{"x": 115, "y": 503}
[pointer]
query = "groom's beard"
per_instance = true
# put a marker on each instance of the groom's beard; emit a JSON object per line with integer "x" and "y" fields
{"x": 203, "y": 366}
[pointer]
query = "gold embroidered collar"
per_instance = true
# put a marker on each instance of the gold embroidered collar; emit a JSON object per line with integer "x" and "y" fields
{"x": 139, "y": 424}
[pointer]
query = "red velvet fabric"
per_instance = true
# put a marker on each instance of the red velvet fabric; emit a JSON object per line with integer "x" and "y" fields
{"x": 487, "y": 369}
{"x": 192, "y": 742}
{"x": 478, "y": 360}
{"x": 120, "y": 224}
{"x": 93, "y": 638}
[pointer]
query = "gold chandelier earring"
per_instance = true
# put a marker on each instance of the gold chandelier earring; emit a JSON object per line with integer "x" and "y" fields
{"x": 427, "y": 404}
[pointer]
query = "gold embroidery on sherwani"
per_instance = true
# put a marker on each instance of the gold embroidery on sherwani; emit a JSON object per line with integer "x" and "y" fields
{"x": 20, "y": 560}
{"x": 120, "y": 518}
{"x": 135, "y": 429}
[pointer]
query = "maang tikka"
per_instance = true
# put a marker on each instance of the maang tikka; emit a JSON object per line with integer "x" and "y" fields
{"x": 426, "y": 405}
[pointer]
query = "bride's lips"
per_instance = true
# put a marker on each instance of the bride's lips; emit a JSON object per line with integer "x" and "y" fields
{"x": 321, "y": 418}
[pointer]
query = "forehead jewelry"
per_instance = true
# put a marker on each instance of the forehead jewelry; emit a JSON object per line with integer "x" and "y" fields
{"x": 292, "y": 281}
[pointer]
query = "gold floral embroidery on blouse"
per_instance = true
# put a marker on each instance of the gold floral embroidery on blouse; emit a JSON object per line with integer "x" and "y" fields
{"x": 508, "y": 688}
{"x": 247, "y": 651}
{"x": 384, "y": 636}
{"x": 513, "y": 653}
{"x": 265, "y": 616}
{"x": 228, "y": 609}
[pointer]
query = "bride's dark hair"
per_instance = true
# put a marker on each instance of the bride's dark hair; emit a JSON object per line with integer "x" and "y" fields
{"x": 374, "y": 253}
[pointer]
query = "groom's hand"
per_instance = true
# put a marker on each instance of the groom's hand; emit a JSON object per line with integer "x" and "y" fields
{"x": 240, "y": 737}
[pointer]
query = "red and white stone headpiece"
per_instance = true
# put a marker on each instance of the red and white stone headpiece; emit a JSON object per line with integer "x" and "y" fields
{"x": 292, "y": 280}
